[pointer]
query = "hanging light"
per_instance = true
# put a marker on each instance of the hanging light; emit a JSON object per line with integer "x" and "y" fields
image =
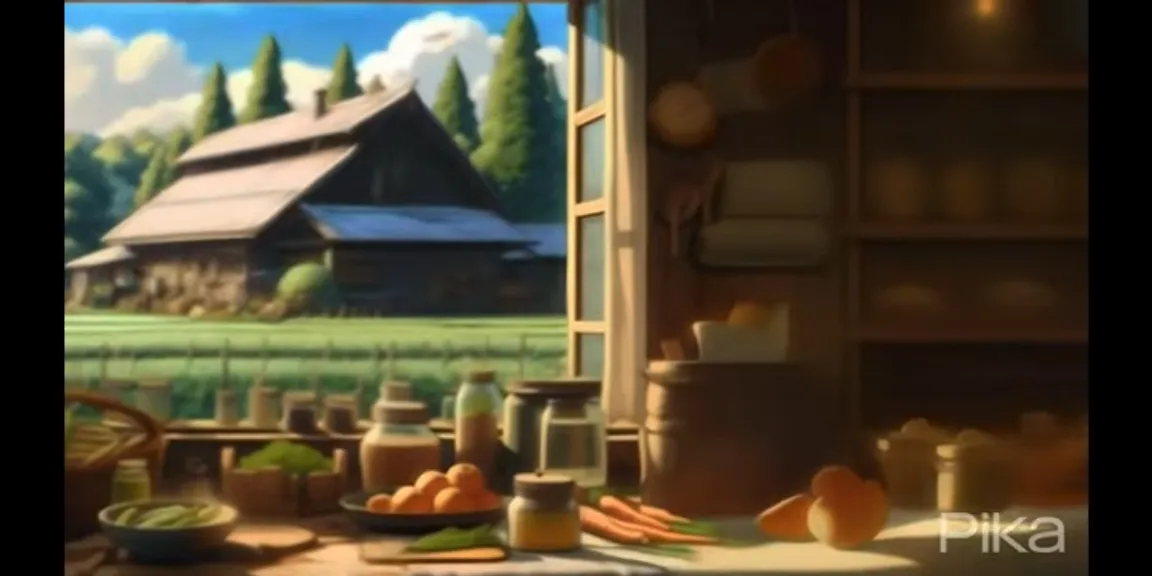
{"x": 987, "y": 9}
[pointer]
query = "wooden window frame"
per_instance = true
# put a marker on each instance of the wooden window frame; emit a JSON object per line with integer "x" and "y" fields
{"x": 623, "y": 204}
{"x": 580, "y": 117}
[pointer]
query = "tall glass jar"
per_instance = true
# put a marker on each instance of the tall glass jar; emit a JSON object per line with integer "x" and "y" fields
{"x": 478, "y": 403}
{"x": 131, "y": 481}
{"x": 574, "y": 441}
{"x": 399, "y": 447}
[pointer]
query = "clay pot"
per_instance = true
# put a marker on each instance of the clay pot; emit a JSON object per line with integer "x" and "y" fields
{"x": 964, "y": 191}
{"x": 896, "y": 189}
{"x": 1034, "y": 190}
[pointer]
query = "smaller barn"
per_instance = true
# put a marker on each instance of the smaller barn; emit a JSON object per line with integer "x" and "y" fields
{"x": 535, "y": 277}
{"x": 100, "y": 275}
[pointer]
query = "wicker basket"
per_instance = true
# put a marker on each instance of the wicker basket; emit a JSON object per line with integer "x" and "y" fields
{"x": 88, "y": 487}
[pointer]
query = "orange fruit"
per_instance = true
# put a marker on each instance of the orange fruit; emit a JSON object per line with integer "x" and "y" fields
{"x": 849, "y": 520}
{"x": 408, "y": 500}
{"x": 832, "y": 481}
{"x": 451, "y": 501}
{"x": 380, "y": 503}
{"x": 431, "y": 483}
{"x": 467, "y": 477}
{"x": 788, "y": 519}
{"x": 487, "y": 500}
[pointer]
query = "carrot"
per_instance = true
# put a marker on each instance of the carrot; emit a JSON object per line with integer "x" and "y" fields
{"x": 657, "y": 536}
{"x": 662, "y": 515}
{"x": 599, "y": 524}
{"x": 621, "y": 510}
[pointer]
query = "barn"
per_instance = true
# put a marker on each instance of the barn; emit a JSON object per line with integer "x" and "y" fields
{"x": 371, "y": 187}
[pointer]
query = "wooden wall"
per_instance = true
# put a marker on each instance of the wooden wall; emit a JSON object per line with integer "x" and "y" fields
{"x": 419, "y": 279}
{"x": 682, "y": 35}
{"x": 211, "y": 271}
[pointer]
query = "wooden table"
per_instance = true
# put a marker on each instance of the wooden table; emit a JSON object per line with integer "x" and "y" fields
{"x": 911, "y": 545}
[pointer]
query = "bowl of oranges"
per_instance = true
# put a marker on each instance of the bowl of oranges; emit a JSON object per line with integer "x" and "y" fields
{"x": 458, "y": 498}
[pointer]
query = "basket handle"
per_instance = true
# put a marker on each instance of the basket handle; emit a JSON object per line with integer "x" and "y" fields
{"x": 153, "y": 432}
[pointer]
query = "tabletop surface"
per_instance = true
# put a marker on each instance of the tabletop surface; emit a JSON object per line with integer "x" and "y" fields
{"x": 1016, "y": 542}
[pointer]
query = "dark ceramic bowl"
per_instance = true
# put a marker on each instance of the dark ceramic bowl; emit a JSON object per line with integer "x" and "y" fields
{"x": 164, "y": 545}
{"x": 353, "y": 505}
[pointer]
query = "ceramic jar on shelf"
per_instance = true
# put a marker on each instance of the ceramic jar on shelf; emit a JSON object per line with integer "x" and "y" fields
{"x": 896, "y": 189}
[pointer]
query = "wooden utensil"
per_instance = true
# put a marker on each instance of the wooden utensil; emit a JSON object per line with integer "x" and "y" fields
{"x": 394, "y": 551}
{"x": 684, "y": 199}
{"x": 787, "y": 66}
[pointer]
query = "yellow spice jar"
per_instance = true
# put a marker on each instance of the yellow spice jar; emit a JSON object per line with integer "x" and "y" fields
{"x": 544, "y": 515}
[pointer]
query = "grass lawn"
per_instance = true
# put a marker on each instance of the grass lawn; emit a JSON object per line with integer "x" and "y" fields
{"x": 521, "y": 347}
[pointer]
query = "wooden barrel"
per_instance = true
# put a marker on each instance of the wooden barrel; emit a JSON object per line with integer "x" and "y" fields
{"x": 733, "y": 438}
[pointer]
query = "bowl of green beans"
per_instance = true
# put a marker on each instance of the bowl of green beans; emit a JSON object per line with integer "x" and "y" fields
{"x": 168, "y": 530}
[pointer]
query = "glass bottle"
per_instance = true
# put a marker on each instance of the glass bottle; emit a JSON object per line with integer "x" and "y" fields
{"x": 574, "y": 441}
{"x": 399, "y": 447}
{"x": 131, "y": 481}
{"x": 544, "y": 515}
{"x": 478, "y": 403}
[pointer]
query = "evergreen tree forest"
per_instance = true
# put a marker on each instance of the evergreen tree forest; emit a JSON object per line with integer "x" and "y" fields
{"x": 517, "y": 142}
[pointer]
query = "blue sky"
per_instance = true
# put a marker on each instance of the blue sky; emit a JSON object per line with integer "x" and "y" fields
{"x": 308, "y": 32}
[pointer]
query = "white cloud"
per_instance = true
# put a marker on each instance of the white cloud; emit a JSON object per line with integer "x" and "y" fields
{"x": 112, "y": 86}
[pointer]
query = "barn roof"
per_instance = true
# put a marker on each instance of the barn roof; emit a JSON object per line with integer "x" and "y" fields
{"x": 101, "y": 257}
{"x": 411, "y": 224}
{"x": 231, "y": 203}
{"x": 548, "y": 241}
{"x": 300, "y": 125}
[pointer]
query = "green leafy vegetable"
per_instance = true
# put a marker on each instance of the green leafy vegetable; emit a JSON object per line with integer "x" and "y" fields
{"x": 287, "y": 456}
{"x": 695, "y": 528}
{"x": 457, "y": 539}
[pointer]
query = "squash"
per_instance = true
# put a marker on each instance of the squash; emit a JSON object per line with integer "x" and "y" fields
{"x": 788, "y": 519}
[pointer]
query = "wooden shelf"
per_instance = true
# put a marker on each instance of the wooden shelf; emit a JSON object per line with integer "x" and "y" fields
{"x": 881, "y": 336}
{"x": 914, "y": 81}
{"x": 913, "y": 232}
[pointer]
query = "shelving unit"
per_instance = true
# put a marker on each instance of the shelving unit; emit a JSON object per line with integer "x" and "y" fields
{"x": 953, "y": 354}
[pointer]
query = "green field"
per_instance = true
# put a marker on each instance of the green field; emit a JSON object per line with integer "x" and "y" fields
{"x": 339, "y": 354}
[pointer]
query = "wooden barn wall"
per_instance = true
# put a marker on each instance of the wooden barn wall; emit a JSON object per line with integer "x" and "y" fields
{"x": 399, "y": 162}
{"x": 210, "y": 270}
{"x": 418, "y": 279}
{"x": 682, "y": 35}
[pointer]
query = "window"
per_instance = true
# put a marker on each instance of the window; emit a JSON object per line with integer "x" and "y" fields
{"x": 606, "y": 201}
{"x": 590, "y": 186}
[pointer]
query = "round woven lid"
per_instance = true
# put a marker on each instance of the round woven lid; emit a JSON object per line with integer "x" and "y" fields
{"x": 786, "y": 67}
{"x": 401, "y": 412}
{"x": 556, "y": 387}
{"x": 550, "y": 490}
{"x": 482, "y": 376}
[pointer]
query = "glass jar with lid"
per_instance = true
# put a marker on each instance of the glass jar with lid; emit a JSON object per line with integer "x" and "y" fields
{"x": 399, "y": 447}
{"x": 478, "y": 403}
{"x": 544, "y": 515}
{"x": 131, "y": 481}
{"x": 574, "y": 441}
{"x": 299, "y": 412}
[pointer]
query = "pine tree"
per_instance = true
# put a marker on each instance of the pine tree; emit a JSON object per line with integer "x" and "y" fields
{"x": 267, "y": 97}
{"x": 375, "y": 85}
{"x": 560, "y": 110}
{"x": 455, "y": 109}
{"x": 152, "y": 181}
{"x": 179, "y": 141}
{"x": 215, "y": 111}
{"x": 343, "y": 84}
{"x": 518, "y": 135}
